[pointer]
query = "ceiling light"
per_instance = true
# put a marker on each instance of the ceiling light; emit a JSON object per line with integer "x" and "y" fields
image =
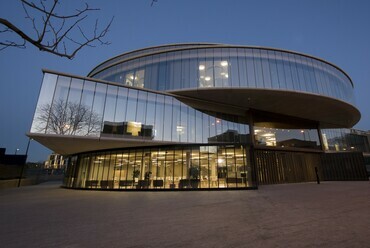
{"x": 201, "y": 67}
{"x": 207, "y": 78}
{"x": 224, "y": 63}
{"x": 268, "y": 135}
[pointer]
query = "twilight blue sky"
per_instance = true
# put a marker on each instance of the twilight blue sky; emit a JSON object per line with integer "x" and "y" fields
{"x": 335, "y": 30}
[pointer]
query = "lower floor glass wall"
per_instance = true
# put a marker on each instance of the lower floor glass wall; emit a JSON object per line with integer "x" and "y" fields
{"x": 185, "y": 167}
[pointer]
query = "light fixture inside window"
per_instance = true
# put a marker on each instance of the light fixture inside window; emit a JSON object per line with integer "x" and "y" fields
{"x": 201, "y": 67}
{"x": 226, "y": 75}
{"x": 220, "y": 160}
{"x": 207, "y": 78}
{"x": 180, "y": 129}
{"x": 224, "y": 63}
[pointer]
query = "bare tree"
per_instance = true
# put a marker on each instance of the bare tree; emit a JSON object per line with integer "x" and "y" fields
{"x": 53, "y": 32}
{"x": 67, "y": 118}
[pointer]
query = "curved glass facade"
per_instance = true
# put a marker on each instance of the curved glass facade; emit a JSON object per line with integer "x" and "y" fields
{"x": 77, "y": 107}
{"x": 230, "y": 67}
{"x": 130, "y": 128}
{"x": 180, "y": 167}
{"x": 140, "y": 52}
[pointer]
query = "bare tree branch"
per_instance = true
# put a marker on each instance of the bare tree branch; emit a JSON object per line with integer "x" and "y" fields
{"x": 153, "y": 1}
{"x": 55, "y": 33}
{"x": 55, "y": 15}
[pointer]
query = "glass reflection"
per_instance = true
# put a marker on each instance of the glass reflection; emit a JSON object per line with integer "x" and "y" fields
{"x": 296, "y": 138}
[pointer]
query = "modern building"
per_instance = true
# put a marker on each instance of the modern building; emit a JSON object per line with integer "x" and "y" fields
{"x": 201, "y": 116}
{"x": 54, "y": 162}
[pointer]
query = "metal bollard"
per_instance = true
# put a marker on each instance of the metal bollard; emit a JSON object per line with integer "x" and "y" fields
{"x": 317, "y": 175}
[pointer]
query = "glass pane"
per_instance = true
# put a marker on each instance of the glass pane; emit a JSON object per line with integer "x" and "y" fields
{"x": 109, "y": 126}
{"x": 242, "y": 68}
{"x": 294, "y": 71}
{"x": 162, "y": 73}
{"x": 198, "y": 127}
{"x": 58, "y": 122}
{"x": 183, "y": 127}
{"x": 287, "y": 72}
{"x": 221, "y": 73}
{"x": 98, "y": 109}
{"x": 139, "y": 78}
{"x": 150, "y": 116}
{"x": 177, "y": 128}
{"x": 280, "y": 70}
{"x": 234, "y": 69}
{"x": 258, "y": 68}
{"x": 44, "y": 103}
{"x": 175, "y": 77}
{"x": 221, "y": 167}
{"x": 167, "y": 122}
{"x": 75, "y": 90}
{"x": 266, "y": 70}
{"x": 250, "y": 68}
{"x": 191, "y": 125}
{"x": 87, "y": 99}
{"x": 129, "y": 81}
{"x": 273, "y": 70}
{"x": 232, "y": 173}
{"x": 185, "y": 69}
{"x": 302, "y": 83}
{"x": 206, "y": 127}
{"x": 131, "y": 105}
{"x": 226, "y": 71}
{"x": 141, "y": 107}
{"x": 78, "y": 116}
{"x": 120, "y": 115}
{"x": 159, "y": 114}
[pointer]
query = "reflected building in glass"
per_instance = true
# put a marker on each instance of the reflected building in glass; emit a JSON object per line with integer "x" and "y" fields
{"x": 200, "y": 116}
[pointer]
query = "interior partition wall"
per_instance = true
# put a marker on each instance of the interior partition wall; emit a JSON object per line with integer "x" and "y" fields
{"x": 172, "y": 167}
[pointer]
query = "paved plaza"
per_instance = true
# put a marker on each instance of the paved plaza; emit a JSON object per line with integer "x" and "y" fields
{"x": 332, "y": 214}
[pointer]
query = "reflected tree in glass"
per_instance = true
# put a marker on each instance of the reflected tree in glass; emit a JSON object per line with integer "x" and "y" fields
{"x": 68, "y": 118}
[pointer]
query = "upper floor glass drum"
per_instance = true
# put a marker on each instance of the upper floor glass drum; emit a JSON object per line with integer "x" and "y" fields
{"x": 193, "y": 66}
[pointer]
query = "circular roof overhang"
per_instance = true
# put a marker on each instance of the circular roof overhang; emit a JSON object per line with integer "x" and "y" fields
{"x": 328, "y": 112}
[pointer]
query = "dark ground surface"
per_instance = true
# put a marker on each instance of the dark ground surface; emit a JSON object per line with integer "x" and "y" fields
{"x": 332, "y": 214}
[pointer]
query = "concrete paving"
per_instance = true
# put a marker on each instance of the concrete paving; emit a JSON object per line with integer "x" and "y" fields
{"x": 332, "y": 214}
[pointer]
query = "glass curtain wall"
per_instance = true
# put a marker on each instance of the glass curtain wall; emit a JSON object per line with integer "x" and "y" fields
{"x": 232, "y": 67}
{"x": 71, "y": 106}
{"x": 190, "y": 167}
{"x": 344, "y": 140}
